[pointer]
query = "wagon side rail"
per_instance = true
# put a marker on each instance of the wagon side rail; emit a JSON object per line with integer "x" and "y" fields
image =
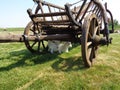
{"x": 54, "y": 15}
{"x": 66, "y": 16}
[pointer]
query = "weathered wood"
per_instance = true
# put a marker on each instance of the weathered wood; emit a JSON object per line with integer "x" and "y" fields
{"x": 21, "y": 38}
{"x": 62, "y": 37}
{"x": 10, "y": 38}
{"x": 55, "y": 22}
{"x": 52, "y": 5}
{"x": 49, "y": 14}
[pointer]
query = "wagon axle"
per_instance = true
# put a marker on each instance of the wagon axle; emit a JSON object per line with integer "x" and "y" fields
{"x": 23, "y": 38}
{"x": 97, "y": 40}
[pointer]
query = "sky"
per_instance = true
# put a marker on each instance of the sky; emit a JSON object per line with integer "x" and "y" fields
{"x": 13, "y": 12}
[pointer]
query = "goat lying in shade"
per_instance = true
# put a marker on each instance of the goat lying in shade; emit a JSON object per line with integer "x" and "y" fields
{"x": 58, "y": 46}
{"x": 53, "y": 46}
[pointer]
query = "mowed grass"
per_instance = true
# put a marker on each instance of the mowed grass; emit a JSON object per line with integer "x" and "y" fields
{"x": 11, "y": 31}
{"x": 22, "y": 70}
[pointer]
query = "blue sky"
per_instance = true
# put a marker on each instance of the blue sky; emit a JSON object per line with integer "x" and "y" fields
{"x": 13, "y": 12}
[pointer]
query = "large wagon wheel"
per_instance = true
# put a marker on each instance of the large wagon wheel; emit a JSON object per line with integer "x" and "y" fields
{"x": 37, "y": 46}
{"x": 88, "y": 46}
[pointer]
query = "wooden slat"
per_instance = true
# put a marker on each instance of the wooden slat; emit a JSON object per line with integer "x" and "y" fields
{"x": 41, "y": 8}
{"x": 49, "y": 14}
{"x": 19, "y": 38}
{"x": 52, "y": 5}
{"x": 57, "y": 22}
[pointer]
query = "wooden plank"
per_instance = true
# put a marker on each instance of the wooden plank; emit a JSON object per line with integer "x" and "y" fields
{"x": 20, "y": 38}
{"x": 49, "y": 14}
{"x": 55, "y": 22}
{"x": 52, "y": 5}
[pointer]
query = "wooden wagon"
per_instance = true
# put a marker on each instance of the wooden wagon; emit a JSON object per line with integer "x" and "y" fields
{"x": 85, "y": 22}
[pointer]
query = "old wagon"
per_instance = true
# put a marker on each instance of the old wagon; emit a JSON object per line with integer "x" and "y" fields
{"x": 85, "y": 22}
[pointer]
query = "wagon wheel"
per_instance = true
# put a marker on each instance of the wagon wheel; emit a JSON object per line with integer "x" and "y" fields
{"x": 37, "y": 46}
{"x": 88, "y": 46}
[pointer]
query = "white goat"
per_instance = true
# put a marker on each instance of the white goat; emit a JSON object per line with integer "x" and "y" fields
{"x": 55, "y": 45}
{"x": 64, "y": 46}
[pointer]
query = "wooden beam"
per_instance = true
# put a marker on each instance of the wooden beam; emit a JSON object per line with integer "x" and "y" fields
{"x": 21, "y": 38}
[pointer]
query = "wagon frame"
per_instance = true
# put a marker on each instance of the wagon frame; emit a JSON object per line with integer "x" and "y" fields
{"x": 86, "y": 24}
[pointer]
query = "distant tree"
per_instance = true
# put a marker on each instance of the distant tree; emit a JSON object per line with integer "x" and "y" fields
{"x": 116, "y": 22}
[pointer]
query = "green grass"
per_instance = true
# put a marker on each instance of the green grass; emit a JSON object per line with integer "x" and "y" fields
{"x": 117, "y": 27}
{"x": 12, "y": 29}
{"x": 22, "y": 70}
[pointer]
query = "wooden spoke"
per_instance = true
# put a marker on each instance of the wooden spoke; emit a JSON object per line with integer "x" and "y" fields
{"x": 94, "y": 51}
{"x": 90, "y": 35}
{"x": 33, "y": 44}
{"x": 39, "y": 43}
{"x": 43, "y": 44}
{"x": 31, "y": 30}
{"x": 89, "y": 51}
{"x": 95, "y": 31}
{"x": 89, "y": 43}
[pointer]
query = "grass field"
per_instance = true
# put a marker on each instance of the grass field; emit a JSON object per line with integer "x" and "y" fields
{"x": 21, "y": 70}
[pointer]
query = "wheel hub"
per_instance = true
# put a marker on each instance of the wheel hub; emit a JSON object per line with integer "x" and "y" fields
{"x": 97, "y": 40}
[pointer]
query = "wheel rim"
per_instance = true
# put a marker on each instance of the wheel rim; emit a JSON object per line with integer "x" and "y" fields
{"x": 89, "y": 48}
{"x": 37, "y": 46}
